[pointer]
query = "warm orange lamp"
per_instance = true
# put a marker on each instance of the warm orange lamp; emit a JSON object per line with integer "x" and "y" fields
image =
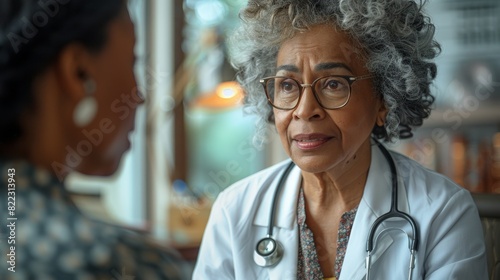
{"x": 226, "y": 95}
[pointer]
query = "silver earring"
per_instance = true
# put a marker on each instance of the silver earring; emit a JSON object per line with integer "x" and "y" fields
{"x": 86, "y": 109}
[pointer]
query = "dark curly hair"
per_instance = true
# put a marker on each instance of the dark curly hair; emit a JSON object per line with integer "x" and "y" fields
{"x": 396, "y": 37}
{"x": 32, "y": 33}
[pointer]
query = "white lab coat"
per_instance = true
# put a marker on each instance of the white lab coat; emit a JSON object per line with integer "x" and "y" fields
{"x": 451, "y": 237}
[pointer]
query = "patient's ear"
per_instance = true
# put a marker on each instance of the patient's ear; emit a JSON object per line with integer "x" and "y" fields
{"x": 72, "y": 67}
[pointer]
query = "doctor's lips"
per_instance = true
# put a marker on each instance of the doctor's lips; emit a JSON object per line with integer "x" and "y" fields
{"x": 310, "y": 141}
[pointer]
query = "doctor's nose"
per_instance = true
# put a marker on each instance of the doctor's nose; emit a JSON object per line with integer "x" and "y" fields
{"x": 308, "y": 106}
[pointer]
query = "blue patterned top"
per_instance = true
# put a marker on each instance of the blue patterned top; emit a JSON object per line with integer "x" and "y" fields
{"x": 44, "y": 236}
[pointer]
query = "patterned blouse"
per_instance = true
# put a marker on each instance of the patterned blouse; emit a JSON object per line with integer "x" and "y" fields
{"x": 44, "y": 236}
{"x": 308, "y": 263}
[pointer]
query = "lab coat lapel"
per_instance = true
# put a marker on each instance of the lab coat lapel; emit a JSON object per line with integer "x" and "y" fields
{"x": 375, "y": 202}
{"x": 286, "y": 207}
{"x": 287, "y": 267}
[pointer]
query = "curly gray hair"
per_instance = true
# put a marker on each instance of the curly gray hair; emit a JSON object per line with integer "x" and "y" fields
{"x": 396, "y": 36}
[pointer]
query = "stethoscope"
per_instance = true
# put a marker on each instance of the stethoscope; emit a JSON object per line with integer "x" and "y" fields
{"x": 269, "y": 251}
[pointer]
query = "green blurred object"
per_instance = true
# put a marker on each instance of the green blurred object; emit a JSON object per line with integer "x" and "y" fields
{"x": 220, "y": 149}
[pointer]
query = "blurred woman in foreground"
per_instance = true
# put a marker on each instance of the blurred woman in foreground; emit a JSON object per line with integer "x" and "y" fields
{"x": 68, "y": 98}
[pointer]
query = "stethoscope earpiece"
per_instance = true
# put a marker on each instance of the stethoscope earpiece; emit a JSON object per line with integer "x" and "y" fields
{"x": 267, "y": 252}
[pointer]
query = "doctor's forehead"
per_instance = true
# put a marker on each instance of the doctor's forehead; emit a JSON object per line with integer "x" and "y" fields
{"x": 324, "y": 47}
{"x": 318, "y": 67}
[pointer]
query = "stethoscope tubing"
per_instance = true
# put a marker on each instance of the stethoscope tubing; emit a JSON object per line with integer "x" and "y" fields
{"x": 393, "y": 212}
{"x": 263, "y": 256}
{"x": 275, "y": 197}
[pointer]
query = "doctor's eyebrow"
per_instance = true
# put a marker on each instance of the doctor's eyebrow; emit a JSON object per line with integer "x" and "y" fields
{"x": 288, "y": 67}
{"x": 331, "y": 65}
{"x": 319, "y": 67}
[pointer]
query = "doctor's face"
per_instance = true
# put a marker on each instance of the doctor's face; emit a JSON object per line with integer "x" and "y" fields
{"x": 318, "y": 139}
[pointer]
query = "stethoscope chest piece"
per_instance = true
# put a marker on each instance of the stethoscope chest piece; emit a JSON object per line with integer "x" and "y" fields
{"x": 267, "y": 252}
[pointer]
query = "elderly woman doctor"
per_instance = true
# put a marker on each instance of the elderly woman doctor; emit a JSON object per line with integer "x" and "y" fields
{"x": 334, "y": 76}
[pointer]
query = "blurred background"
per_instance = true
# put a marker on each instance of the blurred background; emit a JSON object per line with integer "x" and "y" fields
{"x": 193, "y": 139}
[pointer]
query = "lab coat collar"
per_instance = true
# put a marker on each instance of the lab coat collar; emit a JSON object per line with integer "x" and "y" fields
{"x": 376, "y": 201}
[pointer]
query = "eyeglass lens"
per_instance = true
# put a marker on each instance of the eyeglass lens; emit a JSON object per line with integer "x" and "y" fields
{"x": 331, "y": 92}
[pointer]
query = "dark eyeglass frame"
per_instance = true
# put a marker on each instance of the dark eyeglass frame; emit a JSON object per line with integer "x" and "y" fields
{"x": 350, "y": 80}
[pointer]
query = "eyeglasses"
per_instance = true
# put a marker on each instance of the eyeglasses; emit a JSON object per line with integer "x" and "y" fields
{"x": 331, "y": 92}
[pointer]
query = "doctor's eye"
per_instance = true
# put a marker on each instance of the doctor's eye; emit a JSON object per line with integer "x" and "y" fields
{"x": 288, "y": 86}
{"x": 333, "y": 86}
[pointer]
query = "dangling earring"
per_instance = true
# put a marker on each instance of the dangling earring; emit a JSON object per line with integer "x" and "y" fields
{"x": 86, "y": 109}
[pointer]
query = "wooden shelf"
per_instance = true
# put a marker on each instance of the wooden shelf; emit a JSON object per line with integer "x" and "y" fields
{"x": 456, "y": 118}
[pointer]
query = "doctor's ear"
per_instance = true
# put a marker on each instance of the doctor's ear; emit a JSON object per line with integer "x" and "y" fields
{"x": 382, "y": 114}
{"x": 381, "y": 120}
